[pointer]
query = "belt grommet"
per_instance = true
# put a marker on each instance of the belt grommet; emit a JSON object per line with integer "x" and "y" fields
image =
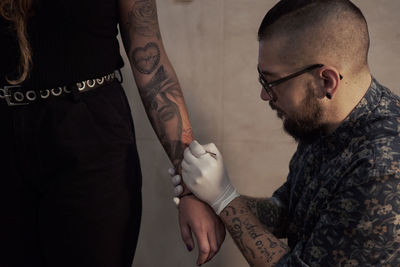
{"x": 66, "y": 90}
{"x": 19, "y": 97}
{"x": 46, "y": 95}
{"x": 100, "y": 81}
{"x": 91, "y": 83}
{"x": 31, "y": 95}
{"x": 2, "y": 93}
{"x": 81, "y": 85}
{"x": 56, "y": 91}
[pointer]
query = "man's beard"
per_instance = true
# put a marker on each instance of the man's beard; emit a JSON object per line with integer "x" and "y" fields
{"x": 305, "y": 125}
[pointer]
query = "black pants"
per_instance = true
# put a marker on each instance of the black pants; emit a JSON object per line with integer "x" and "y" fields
{"x": 70, "y": 182}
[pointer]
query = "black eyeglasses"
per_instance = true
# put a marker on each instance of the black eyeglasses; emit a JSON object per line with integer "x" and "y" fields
{"x": 268, "y": 85}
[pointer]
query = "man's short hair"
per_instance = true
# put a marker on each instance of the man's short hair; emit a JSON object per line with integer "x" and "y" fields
{"x": 319, "y": 28}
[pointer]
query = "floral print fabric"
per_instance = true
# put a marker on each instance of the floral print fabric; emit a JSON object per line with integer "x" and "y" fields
{"x": 342, "y": 194}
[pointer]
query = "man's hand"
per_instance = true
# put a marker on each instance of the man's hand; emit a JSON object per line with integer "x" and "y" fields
{"x": 204, "y": 174}
{"x": 197, "y": 217}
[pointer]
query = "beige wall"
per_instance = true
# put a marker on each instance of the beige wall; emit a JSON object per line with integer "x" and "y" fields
{"x": 213, "y": 47}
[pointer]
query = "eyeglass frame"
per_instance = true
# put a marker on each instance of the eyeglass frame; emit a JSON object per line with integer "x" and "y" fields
{"x": 268, "y": 85}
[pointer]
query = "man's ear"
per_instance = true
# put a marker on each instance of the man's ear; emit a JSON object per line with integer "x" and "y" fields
{"x": 330, "y": 77}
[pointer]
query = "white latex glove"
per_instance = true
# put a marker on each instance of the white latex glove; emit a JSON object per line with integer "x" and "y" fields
{"x": 206, "y": 176}
{"x": 176, "y": 183}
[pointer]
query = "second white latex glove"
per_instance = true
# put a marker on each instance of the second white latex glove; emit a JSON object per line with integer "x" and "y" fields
{"x": 205, "y": 175}
{"x": 176, "y": 183}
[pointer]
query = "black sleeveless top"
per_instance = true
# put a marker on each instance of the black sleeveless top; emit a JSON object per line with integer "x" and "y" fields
{"x": 72, "y": 40}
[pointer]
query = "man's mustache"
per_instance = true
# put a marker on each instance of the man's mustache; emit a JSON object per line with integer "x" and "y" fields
{"x": 278, "y": 110}
{"x": 274, "y": 107}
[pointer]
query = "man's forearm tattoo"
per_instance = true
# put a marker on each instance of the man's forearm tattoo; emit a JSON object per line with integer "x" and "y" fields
{"x": 251, "y": 204}
{"x": 143, "y": 18}
{"x": 146, "y": 59}
{"x": 254, "y": 241}
{"x": 267, "y": 211}
{"x": 160, "y": 97}
{"x": 270, "y": 214}
{"x": 236, "y": 231}
{"x": 229, "y": 211}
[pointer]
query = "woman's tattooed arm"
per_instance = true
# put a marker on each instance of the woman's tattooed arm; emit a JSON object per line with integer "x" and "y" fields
{"x": 163, "y": 100}
{"x": 158, "y": 85}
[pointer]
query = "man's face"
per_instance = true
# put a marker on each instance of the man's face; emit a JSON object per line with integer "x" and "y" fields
{"x": 304, "y": 124}
{"x": 296, "y": 101}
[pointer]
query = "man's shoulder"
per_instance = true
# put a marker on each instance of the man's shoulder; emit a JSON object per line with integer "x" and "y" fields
{"x": 376, "y": 154}
{"x": 380, "y": 125}
{"x": 372, "y": 147}
{"x": 389, "y": 103}
{"x": 378, "y": 142}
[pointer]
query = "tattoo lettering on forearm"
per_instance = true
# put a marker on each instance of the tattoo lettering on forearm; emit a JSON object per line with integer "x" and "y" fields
{"x": 236, "y": 232}
{"x": 143, "y": 18}
{"x": 227, "y": 209}
{"x": 255, "y": 234}
{"x": 146, "y": 59}
{"x": 256, "y": 243}
{"x": 263, "y": 250}
{"x": 160, "y": 97}
{"x": 251, "y": 230}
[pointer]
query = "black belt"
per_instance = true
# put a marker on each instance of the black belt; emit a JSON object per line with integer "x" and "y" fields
{"x": 16, "y": 95}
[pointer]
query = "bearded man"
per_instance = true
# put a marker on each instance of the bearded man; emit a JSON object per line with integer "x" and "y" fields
{"x": 340, "y": 203}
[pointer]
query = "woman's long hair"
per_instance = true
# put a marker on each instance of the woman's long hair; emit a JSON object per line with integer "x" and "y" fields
{"x": 18, "y": 13}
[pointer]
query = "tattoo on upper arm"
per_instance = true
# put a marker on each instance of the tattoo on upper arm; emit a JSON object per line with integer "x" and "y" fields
{"x": 143, "y": 18}
{"x": 146, "y": 59}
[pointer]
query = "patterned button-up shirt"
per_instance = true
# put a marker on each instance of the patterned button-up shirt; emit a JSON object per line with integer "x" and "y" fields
{"x": 341, "y": 200}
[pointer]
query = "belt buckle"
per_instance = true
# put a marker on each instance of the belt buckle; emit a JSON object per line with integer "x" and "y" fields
{"x": 8, "y": 96}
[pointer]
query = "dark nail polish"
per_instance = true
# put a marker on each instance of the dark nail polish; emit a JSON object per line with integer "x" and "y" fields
{"x": 189, "y": 248}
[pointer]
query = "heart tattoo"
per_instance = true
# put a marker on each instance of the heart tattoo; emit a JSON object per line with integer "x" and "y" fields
{"x": 146, "y": 59}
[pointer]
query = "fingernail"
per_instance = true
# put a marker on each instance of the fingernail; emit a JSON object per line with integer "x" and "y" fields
{"x": 189, "y": 248}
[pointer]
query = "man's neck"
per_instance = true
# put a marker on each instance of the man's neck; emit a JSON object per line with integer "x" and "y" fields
{"x": 347, "y": 98}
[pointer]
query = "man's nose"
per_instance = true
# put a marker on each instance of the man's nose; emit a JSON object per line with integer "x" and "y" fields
{"x": 264, "y": 95}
